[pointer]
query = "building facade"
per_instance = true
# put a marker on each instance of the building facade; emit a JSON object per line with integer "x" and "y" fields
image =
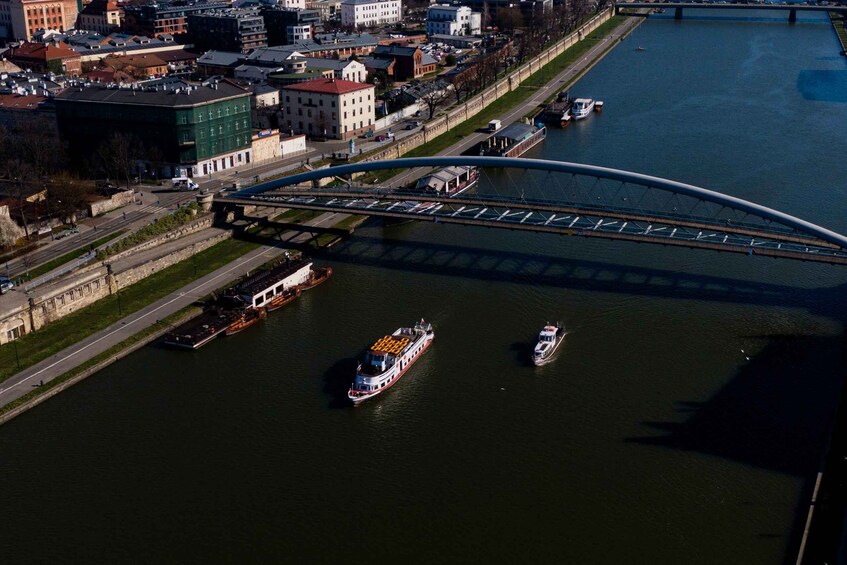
{"x": 364, "y": 13}
{"x": 444, "y": 19}
{"x": 154, "y": 20}
{"x": 100, "y": 16}
{"x": 329, "y": 108}
{"x": 21, "y": 19}
{"x": 198, "y": 128}
{"x": 286, "y": 26}
{"x": 239, "y": 30}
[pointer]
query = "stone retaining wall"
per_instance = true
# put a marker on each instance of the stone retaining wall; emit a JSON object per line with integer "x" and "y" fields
{"x": 94, "y": 283}
{"x": 473, "y": 106}
{"x": 201, "y": 223}
{"x": 117, "y": 200}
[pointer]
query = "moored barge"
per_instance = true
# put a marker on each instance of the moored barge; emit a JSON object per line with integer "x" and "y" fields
{"x": 260, "y": 289}
{"x": 247, "y": 318}
{"x": 283, "y": 298}
{"x": 199, "y": 331}
{"x": 316, "y": 277}
{"x": 513, "y": 140}
{"x": 449, "y": 181}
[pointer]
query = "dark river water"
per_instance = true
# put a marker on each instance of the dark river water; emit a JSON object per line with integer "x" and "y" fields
{"x": 652, "y": 438}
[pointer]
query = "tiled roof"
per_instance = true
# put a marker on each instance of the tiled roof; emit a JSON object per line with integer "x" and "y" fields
{"x": 17, "y": 102}
{"x": 41, "y": 52}
{"x": 329, "y": 86}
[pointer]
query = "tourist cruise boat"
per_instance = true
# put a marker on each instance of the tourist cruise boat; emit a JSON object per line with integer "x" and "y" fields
{"x": 549, "y": 339}
{"x": 388, "y": 359}
{"x": 582, "y": 107}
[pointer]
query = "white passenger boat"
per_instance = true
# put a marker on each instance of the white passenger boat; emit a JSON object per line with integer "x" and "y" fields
{"x": 582, "y": 107}
{"x": 550, "y": 338}
{"x": 388, "y": 359}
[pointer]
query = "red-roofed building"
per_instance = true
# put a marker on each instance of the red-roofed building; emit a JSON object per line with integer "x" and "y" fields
{"x": 329, "y": 108}
{"x": 15, "y": 108}
{"x": 44, "y": 58}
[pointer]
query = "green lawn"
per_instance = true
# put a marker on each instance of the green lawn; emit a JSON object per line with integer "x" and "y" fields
{"x": 68, "y": 257}
{"x": 164, "y": 224}
{"x": 75, "y": 327}
{"x": 162, "y": 324}
{"x": 838, "y": 25}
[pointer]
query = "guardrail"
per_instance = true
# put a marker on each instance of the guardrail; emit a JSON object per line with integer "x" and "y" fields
{"x": 85, "y": 259}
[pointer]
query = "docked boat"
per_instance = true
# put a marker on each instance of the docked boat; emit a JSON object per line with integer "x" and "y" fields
{"x": 265, "y": 286}
{"x": 450, "y": 181}
{"x": 513, "y": 140}
{"x": 549, "y": 340}
{"x": 316, "y": 277}
{"x": 283, "y": 298}
{"x": 248, "y": 317}
{"x": 196, "y": 333}
{"x": 388, "y": 359}
{"x": 581, "y": 108}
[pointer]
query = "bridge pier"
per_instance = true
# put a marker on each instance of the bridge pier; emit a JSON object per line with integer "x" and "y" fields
{"x": 677, "y": 15}
{"x": 792, "y": 16}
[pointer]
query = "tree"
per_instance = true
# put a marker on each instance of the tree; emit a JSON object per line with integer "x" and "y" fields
{"x": 66, "y": 194}
{"x": 119, "y": 155}
{"x": 10, "y": 232}
{"x": 450, "y": 60}
{"x": 37, "y": 144}
{"x": 434, "y": 98}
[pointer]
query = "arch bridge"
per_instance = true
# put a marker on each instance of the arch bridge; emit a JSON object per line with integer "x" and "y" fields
{"x": 565, "y": 198}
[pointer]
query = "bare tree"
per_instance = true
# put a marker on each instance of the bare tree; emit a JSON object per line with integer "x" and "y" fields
{"x": 68, "y": 194}
{"x": 120, "y": 154}
{"x": 434, "y": 99}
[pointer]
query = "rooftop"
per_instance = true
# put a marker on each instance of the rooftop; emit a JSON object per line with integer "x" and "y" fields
{"x": 41, "y": 52}
{"x": 17, "y": 102}
{"x": 167, "y": 93}
{"x": 329, "y": 86}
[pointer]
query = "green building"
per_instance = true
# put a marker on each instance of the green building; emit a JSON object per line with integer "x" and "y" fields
{"x": 183, "y": 128}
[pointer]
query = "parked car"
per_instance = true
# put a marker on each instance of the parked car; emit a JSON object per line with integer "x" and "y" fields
{"x": 381, "y": 137}
{"x": 6, "y": 285}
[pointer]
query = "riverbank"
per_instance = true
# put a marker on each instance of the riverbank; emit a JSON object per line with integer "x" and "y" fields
{"x": 837, "y": 21}
{"x": 349, "y": 223}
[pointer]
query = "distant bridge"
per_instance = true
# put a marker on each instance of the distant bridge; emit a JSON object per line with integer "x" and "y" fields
{"x": 679, "y": 6}
{"x": 564, "y": 198}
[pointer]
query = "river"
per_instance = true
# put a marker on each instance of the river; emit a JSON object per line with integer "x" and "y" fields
{"x": 683, "y": 421}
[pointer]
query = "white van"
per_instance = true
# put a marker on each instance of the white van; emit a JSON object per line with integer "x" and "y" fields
{"x": 184, "y": 183}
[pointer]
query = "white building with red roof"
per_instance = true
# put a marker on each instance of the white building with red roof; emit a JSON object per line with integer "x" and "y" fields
{"x": 328, "y": 108}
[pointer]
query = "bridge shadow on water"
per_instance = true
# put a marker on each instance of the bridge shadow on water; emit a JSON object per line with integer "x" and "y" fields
{"x": 775, "y": 414}
{"x": 460, "y": 261}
